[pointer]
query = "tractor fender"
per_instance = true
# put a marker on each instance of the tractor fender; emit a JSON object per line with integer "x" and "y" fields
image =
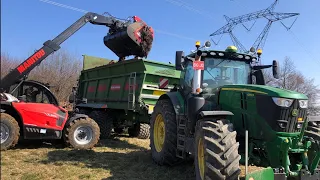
{"x": 176, "y": 100}
{"x": 214, "y": 114}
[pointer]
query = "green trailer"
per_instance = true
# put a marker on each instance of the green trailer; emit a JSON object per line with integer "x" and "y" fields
{"x": 122, "y": 95}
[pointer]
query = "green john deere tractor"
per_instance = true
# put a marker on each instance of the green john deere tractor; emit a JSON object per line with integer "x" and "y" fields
{"x": 221, "y": 96}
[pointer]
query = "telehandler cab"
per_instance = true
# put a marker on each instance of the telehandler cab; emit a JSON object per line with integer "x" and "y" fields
{"x": 221, "y": 95}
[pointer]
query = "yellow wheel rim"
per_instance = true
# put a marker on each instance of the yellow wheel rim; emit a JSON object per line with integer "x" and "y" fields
{"x": 201, "y": 161}
{"x": 159, "y": 133}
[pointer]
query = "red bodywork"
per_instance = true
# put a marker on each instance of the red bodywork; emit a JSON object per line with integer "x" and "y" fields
{"x": 41, "y": 115}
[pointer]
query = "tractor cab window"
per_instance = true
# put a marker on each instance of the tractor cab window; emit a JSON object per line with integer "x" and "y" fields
{"x": 219, "y": 72}
{"x": 189, "y": 72}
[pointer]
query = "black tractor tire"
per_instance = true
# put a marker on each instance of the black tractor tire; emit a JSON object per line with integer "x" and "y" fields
{"x": 9, "y": 126}
{"x": 164, "y": 154}
{"x": 89, "y": 126}
{"x": 105, "y": 122}
{"x": 314, "y": 132}
{"x": 140, "y": 130}
{"x": 219, "y": 150}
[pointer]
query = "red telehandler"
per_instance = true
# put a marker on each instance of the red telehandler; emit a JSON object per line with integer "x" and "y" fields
{"x": 29, "y": 110}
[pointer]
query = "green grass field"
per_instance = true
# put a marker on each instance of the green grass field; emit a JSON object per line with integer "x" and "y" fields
{"x": 118, "y": 158}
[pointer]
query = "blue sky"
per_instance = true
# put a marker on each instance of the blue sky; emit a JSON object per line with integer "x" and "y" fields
{"x": 26, "y": 24}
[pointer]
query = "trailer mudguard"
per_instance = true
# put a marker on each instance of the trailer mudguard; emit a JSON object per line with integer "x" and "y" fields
{"x": 177, "y": 101}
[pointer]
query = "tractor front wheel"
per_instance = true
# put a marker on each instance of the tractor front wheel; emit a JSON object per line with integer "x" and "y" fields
{"x": 163, "y": 134}
{"x": 216, "y": 150}
{"x": 82, "y": 133}
{"x": 314, "y": 132}
{"x": 10, "y": 131}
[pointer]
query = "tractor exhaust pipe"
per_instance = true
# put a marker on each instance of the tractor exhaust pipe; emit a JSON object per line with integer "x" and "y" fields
{"x": 246, "y": 153}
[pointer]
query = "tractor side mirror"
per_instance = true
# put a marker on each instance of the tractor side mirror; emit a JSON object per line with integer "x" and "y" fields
{"x": 179, "y": 60}
{"x": 71, "y": 98}
{"x": 275, "y": 69}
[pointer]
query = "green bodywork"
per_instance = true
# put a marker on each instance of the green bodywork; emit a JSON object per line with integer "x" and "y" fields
{"x": 106, "y": 86}
{"x": 252, "y": 106}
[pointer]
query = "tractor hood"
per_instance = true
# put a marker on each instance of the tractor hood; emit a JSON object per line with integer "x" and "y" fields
{"x": 266, "y": 90}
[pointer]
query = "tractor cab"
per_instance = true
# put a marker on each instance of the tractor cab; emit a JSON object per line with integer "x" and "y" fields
{"x": 215, "y": 69}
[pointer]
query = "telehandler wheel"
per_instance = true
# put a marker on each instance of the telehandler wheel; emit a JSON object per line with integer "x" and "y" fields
{"x": 216, "y": 150}
{"x": 163, "y": 134}
{"x": 82, "y": 133}
{"x": 140, "y": 130}
{"x": 105, "y": 122}
{"x": 10, "y": 131}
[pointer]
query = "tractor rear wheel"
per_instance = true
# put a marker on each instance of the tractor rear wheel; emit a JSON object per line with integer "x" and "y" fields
{"x": 216, "y": 150}
{"x": 163, "y": 134}
{"x": 140, "y": 130}
{"x": 82, "y": 133}
{"x": 105, "y": 122}
{"x": 10, "y": 131}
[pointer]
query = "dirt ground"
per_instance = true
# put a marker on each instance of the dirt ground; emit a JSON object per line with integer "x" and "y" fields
{"x": 118, "y": 158}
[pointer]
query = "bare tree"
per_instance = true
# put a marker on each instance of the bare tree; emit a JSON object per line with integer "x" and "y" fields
{"x": 7, "y": 63}
{"x": 61, "y": 70}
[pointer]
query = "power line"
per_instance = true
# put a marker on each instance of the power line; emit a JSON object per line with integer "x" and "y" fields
{"x": 85, "y": 11}
{"x": 302, "y": 45}
{"x": 188, "y": 6}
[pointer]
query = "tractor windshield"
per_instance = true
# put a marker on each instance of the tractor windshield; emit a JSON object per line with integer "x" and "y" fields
{"x": 219, "y": 72}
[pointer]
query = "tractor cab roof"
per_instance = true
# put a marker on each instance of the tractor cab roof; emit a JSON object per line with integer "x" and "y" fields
{"x": 230, "y": 53}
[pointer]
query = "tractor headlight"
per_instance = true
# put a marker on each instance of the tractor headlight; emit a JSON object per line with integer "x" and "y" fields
{"x": 303, "y": 103}
{"x": 283, "y": 102}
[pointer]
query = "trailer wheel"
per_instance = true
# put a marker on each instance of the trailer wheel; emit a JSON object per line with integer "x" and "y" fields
{"x": 82, "y": 133}
{"x": 105, "y": 122}
{"x": 163, "y": 134}
{"x": 140, "y": 130}
{"x": 216, "y": 150}
{"x": 10, "y": 131}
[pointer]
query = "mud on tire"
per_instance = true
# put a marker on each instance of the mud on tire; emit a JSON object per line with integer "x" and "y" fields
{"x": 221, "y": 157}
{"x": 105, "y": 122}
{"x": 10, "y": 131}
{"x": 167, "y": 155}
{"x": 82, "y": 133}
{"x": 140, "y": 130}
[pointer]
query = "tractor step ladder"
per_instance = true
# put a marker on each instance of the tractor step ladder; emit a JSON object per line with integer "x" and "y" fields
{"x": 181, "y": 137}
{"x": 132, "y": 91}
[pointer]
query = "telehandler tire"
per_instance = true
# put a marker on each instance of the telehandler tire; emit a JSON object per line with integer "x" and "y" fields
{"x": 216, "y": 150}
{"x": 82, "y": 133}
{"x": 10, "y": 131}
{"x": 105, "y": 122}
{"x": 163, "y": 134}
{"x": 140, "y": 130}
